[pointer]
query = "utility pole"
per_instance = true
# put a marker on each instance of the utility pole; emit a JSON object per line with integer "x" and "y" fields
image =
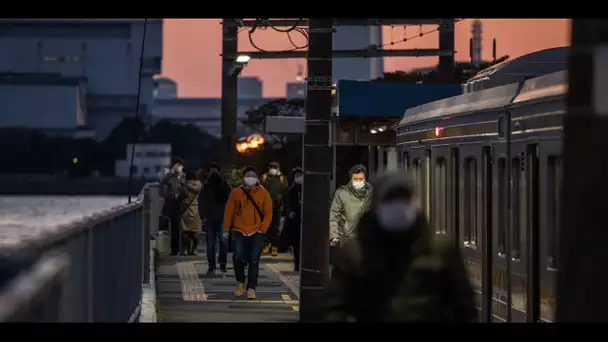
{"x": 317, "y": 169}
{"x": 229, "y": 92}
{"x": 446, "y": 42}
{"x": 582, "y": 281}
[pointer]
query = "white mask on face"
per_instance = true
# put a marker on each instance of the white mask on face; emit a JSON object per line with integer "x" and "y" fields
{"x": 273, "y": 172}
{"x": 358, "y": 184}
{"x": 298, "y": 180}
{"x": 396, "y": 216}
{"x": 179, "y": 169}
{"x": 250, "y": 181}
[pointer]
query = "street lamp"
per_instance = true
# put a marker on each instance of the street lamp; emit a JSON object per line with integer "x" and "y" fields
{"x": 238, "y": 65}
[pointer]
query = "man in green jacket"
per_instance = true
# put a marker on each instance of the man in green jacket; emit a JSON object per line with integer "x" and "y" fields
{"x": 276, "y": 184}
{"x": 349, "y": 200}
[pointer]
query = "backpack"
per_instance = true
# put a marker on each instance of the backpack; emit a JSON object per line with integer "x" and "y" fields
{"x": 265, "y": 177}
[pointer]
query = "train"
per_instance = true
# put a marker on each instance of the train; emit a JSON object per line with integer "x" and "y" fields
{"x": 488, "y": 167}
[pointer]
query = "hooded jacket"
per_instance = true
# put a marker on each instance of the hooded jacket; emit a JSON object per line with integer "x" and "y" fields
{"x": 191, "y": 221}
{"x": 408, "y": 276}
{"x": 213, "y": 198}
{"x": 241, "y": 214}
{"x": 345, "y": 209}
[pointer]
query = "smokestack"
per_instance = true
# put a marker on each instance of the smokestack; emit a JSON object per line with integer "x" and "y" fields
{"x": 471, "y": 50}
{"x": 494, "y": 49}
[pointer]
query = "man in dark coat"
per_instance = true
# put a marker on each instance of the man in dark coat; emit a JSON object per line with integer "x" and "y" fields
{"x": 293, "y": 222}
{"x": 348, "y": 202}
{"x": 276, "y": 184}
{"x": 397, "y": 269}
{"x": 171, "y": 188}
{"x": 212, "y": 204}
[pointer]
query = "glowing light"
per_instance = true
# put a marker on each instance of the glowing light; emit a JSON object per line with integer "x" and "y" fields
{"x": 437, "y": 131}
{"x": 75, "y": 160}
{"x": 242, "y": 59}
{"x": 244, "y": 146}
{"x": 254, "y": 143}
{"x": 381, "y": 129}
{"x": 373, "y": 131}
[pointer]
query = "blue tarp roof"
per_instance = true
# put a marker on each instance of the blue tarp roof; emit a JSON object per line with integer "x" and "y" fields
{"x": 388, "y": 99}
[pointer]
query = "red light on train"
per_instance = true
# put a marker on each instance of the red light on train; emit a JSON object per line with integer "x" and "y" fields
{"x": 437, "y": 131}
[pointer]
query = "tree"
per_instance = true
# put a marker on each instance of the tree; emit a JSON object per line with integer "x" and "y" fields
{"x": 462, "y": 72}
{"x": 187, "y": 141}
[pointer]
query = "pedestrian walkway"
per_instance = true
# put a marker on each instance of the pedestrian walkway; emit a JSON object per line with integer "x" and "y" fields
{"x": 186, "y": 294}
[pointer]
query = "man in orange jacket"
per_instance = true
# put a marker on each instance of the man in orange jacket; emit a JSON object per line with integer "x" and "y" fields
{"x": 249, "y": 214}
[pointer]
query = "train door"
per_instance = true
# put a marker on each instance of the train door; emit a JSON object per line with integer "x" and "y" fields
{"x": 550, "y": 168}
{"x": 440, "y": 208}
{"x": 471, "y": 225}
{"x": 420, "y": 161}
{"x": 500, "y": 288}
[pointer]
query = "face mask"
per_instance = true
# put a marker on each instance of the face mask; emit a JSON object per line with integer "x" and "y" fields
{"x": 298, "y": 180}
{"x": 273, "y": 172}
{"x": 358, "y": 184}
{"x": 396, "y": 216}
{"x": 250, "y": 181}
{"x": 179, "y": 169}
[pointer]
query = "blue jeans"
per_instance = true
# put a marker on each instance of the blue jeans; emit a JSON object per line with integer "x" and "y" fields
{"x": 215, "y": 232}
{"x": 247, "y": 250}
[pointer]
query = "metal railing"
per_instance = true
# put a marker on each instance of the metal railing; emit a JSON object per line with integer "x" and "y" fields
{"x": 88, "y": 271}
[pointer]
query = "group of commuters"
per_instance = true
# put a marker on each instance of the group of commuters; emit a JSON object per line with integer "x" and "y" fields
{"x": 248, "y": 217}
{"x": 387, "y": 264}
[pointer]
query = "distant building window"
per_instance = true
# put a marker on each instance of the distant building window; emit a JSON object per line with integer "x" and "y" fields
{"x": 134, "y": 170}
{"x": 138, "y": 154}
{"x": 146, "y": 170}
{"x": 157, "y": 168}
{"x": 151, "y": 154}
{"x": 63, "y": 59}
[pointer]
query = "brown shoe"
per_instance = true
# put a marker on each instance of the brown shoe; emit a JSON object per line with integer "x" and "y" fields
{"x": 266, "y": 248}
{"x": 250, "y": 294}
{"x": 240, "y": 289}
{"x": 275, "y": 251}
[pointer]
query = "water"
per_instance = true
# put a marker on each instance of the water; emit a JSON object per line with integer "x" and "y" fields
{"x": 22, "y": 217}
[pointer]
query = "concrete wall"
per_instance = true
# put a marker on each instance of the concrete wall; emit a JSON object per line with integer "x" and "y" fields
{"x": 40, "y": 106}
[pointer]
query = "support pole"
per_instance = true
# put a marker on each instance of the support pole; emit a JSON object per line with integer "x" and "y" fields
{"x": 583, "y": 252}
{"x": 229, "y": 93}
{"x": 318, "y": 168}
{"x": 446, "y": 42}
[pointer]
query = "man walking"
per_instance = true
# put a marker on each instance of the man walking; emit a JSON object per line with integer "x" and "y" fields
{"x": 172, "y": 185}
{"x": 212, "y": 205}
{"x": 276, "y": 185}
{"x": 248, "y": 213}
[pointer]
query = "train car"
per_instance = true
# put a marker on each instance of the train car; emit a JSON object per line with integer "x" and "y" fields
{"x": 488, "y": 167}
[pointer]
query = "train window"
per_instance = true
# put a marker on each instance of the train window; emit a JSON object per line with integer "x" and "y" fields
{"x": 553, "y": 209}
{"x": 416, "y": 175}
{"x": 502, "y": 205}
{"x": 427, "y": 185}
{"x": 384, "y": 159}
{"x": 502, "y": 130}
{"x": 405, "y": 160}
{"x": 441, "y": 196}
{"x": 516, "y": 205}
{"x": 470, "y": 202}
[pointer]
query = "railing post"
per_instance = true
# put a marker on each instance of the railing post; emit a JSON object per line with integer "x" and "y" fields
{"x": 146, "y": 219}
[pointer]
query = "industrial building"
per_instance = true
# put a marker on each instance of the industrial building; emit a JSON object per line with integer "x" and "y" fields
{"x": 149, "y": 161}
{"x": 76, "y": 77}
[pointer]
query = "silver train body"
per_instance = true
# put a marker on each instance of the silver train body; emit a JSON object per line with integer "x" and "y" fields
{"x": 488, "y": 165}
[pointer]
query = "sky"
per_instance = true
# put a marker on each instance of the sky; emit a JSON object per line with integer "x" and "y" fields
{"x": 192, "y": 47}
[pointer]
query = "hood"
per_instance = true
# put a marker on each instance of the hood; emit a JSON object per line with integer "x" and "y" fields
{"x": 381, "y": 186}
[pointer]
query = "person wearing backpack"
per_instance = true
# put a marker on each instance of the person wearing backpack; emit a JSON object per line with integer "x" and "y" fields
{"x": 276, "y": 184}
{"x": 396, "y": 269}
{"x": 248, "y": 214}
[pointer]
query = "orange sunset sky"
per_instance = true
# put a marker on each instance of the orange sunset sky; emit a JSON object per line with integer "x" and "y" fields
{"x": 192, "y": 47}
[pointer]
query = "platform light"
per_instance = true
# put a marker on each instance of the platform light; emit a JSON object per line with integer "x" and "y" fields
{"x": 373, "y": 131}
{"x": 381, "y": 129}
{"x": 242, "y": 59}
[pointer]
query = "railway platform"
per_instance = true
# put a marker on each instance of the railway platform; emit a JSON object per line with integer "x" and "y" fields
{"x": 185, "y": 293}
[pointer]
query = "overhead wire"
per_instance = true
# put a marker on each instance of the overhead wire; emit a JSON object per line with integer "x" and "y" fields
{"x": 420, "y": 34}
{"x": 135, "y": 131}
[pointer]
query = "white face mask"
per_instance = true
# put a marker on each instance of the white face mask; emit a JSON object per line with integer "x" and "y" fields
{"x": 358, "y": 184}
{"x": 250, "y": 181}
{"x": 396, "y": 216}
{"x": 298, "y": 180}
{"x": 178, "y": 169}
{"x": 273, "y": 172}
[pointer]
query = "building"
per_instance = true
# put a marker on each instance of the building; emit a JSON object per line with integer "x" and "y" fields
{"x": 76, "y": 75}
{"x": 476, "y": 40}
{"x": 149, "y": 160}
{"x": 205, "y": 113}
{"x": 249, "y": 88}
{"x": 355, "y": 38}
{"x": 296, "y": 90}
{"x": 165, "y": 88}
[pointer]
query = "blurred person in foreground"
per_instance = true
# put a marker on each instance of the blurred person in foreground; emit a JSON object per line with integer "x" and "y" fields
{"x": 213, "y": 203}
{"x": 191, "y": 223}
{"x": 276, "y": 185}
{"x": 349, "y": 200}
{"x": 248, "y": 214}
{"x": 171, "y": 190}
{"x": 397, "y": 269}
{"x": 293, "y": 209}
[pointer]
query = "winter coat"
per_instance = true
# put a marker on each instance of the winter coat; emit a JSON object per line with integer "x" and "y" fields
{"x": 191, "y": 221}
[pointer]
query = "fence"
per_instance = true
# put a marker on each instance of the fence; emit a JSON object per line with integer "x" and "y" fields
{"x": 91, "y": 271}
